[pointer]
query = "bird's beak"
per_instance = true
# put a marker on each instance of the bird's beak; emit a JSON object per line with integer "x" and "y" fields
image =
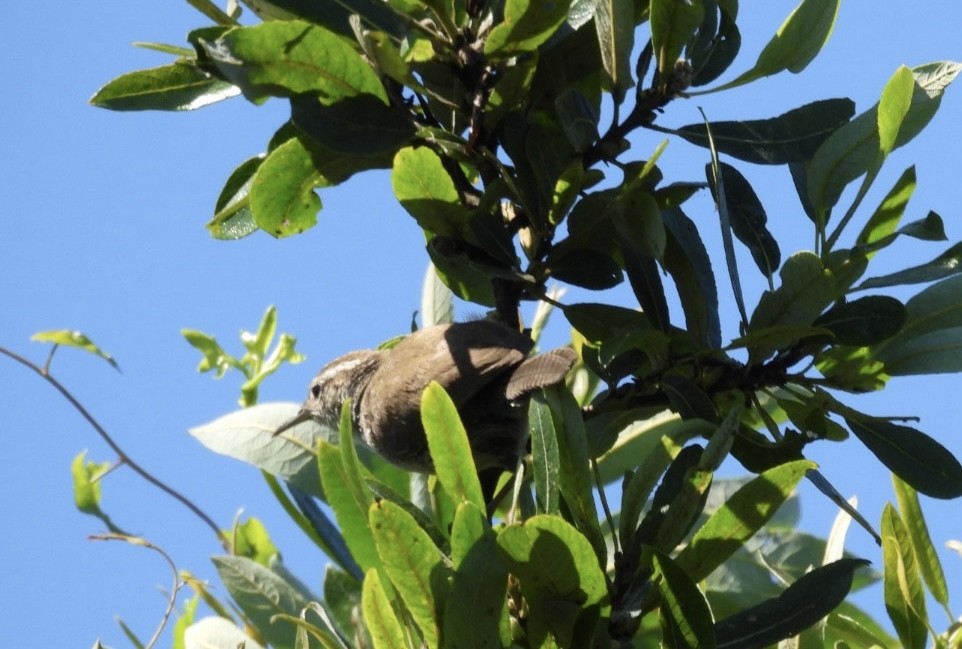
{"x": 299, "y": 418}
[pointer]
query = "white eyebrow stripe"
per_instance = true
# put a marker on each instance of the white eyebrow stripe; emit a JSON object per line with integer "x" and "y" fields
{"x": 336, "y": 369}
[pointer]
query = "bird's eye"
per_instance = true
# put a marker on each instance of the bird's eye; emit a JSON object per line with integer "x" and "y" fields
{"x": 316, "y": 390}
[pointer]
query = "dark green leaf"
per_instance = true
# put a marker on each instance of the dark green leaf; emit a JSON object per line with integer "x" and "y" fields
{"x": 672, "y": 26}
{"x": 600, "y": 322}
{"x": 615, "y": 26}
{"x": 864, "y": 321}
{"x": 526, "y": 25}
{"x": 232, "y": 213}
{"x": 806, "y": 289}
{"x": 286, "y": 58}
{"x": 809, "y": 599}
{"x": 686, "y": 618}
{"x": 584, "y": 267}
{"x": 686, "y": 260}
{"x": 362, "y": 125}
{"x": 904, "y": 597}
{"x": 468, "y": 279}
{"x": 717, "y": 44}
{"x": 946, "y": 264}
{"x": 578, "y": 118}
{"x": 449, "y": 447}
{"x": 687, "y": 399}
{"x": 919, "y": 460}
{"x": 797, "y": 41}
{"x": 178, "y": 86}
{"x": 791, "y": 137}
{"x": 374, "y": 14}
{"x": 748, "y": 219}
{"x": 645, "y": 279}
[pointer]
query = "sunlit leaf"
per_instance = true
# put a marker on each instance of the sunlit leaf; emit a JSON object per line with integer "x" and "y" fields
{"x": 686, "y": 618}
{"x": 178, "y": 86}
{"x": 526, "y": 25}
{"x": 73, "y": 338}
{"x": 915, "y": 526}
{"x": 449, "y": 447}
{"x": 904, "y": 597}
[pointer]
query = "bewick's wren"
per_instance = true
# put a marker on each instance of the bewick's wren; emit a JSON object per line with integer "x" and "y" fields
{"x": 483, "y": 366}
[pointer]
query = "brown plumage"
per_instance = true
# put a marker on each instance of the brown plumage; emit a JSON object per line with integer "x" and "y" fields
{"x": 483, "y": 365}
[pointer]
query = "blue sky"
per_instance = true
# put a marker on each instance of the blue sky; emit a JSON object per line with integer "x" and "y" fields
{"x": 103, "y": 217}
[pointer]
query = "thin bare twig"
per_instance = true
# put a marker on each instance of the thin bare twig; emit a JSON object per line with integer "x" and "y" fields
{"x": 121, "y": 454}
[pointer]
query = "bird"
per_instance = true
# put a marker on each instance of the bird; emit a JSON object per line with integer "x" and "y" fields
{"x": 482, "y": 364}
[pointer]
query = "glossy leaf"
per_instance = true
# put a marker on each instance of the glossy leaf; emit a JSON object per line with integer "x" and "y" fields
{"x": 73, "y": 338}
{"x": 379, "y": 617}
{"x": 904, "y": 597}
{"x": 854, "y": 149}
{"x": 791, "y": 137}
{"x": 614, "y": 23}
{"x": 449, "y": 447}
{"x": 284, "y": 58}
{"x": 672, "y": 26}
{"x": 232, "y": 213}
{"x": 864, "y": 321}
{"x": 686, "y": 260}
{"x": 801, "y": 605}
{"x": 686, "y": 617}
{"x": 178, "y": 86}
{"x": 743, "y": 514}
{"x": 414, "y": 564}
{"x": 912, "y": 455}
{"x": 545, "y": 459}
{"x": 748, "y": 219}
{"x": 796, "y": 42}
{"x": 426, "y": 191}
{"x": 526, "y": 25}
{"x": 917, "y": 530}
{"x": 261, "y": 594}
{"x": 476, "y": 613}
{"x": 362, "y": 125}
{"x": 893, "y": 107}
{"x": 946, "y": 264}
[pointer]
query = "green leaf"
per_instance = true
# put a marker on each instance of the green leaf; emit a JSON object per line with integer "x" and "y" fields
{"x": 574, "y": 476}
{"x": 748, "y": 219}
{"x": 904, "y": 597}
{"x": 912, "y": 455}
{"x": 591, "y": 269}
{"x": 717, "y": 43}
{"x": 614, "y": 24}
{"x": 672, "y": 26}
{"x": 379, "y": 617}
{"x": 476, "y": 612}
{"x": 686, "y": 260}
{"x": 251, "y": 540}
{"x": 414, "y": 564}
{"x": 86, "y": 484}
{"x": 864, "y": 321}
{"x": 796, "y": 42}
{"x": 282, "y": 197}
{"x": 686, "y": 617}
{"x": 809, "y": 599}
{"x": 232, "y": 213}
{"x": 545, "y": 458}
{"x": 560, "y": 578}
{"x": 449, "y": 447}
{"x": 427, "y": 192}
{"x": 335, "y": 16}
{"x": 946, "y": 264}
{"x": 918, "y": 532}
{"x": 743, "y": 514}
{"x": 526, "y": 25}
{"x": 855, "y": 148}
{"x": 893, "y": 107}
{"x": 73, "y": 338}
{"x": 261, "y": 594}
{"x": 791, "y": 137}
{"x": 284, "y": 58}
{"x": 362, "y": 125}
{"x": 342, "y": 597}
{"x": 880, "y": 229}
{"x": 637, "y": 488}
{"x": 178, "y": 86}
